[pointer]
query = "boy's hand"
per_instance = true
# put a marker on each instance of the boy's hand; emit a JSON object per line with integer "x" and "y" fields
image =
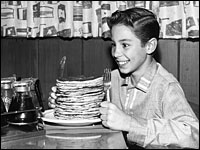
{"x": 113, "y": 117}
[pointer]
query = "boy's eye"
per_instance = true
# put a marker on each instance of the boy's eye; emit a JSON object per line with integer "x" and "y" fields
{"x": 113, "y": 44}
{"x": 125, "y": 45}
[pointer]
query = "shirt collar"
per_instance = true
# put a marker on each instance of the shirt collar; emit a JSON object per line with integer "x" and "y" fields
{"x": 145, "y": 81}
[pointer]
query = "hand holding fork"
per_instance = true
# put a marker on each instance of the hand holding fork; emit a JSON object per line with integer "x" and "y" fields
{"x": 107, "y": 83}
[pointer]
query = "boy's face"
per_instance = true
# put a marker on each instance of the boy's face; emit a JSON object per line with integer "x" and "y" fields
{"x": 127, "y": 50}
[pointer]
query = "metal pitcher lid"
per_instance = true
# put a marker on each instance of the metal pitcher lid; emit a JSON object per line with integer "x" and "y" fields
{"x": 6, "y": 84}
{"x": 21, "y": 86}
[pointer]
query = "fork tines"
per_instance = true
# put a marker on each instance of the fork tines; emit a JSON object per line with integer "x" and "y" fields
{"x": 107, "y": 82}
{"x": 107, "y": 75}
{"x": 107, "y": 78}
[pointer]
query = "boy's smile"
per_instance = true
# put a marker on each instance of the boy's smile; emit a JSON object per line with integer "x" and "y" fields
{"x": 121, "y": 63}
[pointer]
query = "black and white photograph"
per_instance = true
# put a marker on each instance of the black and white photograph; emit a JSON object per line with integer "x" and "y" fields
{"x": 99, "y": 74}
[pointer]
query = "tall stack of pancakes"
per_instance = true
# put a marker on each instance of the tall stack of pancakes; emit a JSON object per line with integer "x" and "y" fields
{"x": 78, "y": 98}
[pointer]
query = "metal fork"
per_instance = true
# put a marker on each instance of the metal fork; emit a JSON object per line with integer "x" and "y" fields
{"x": 107, "y": 82}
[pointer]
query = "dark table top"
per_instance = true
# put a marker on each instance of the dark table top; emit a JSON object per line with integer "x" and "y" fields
{"x": 62, "y": 137}
{"x": 52, "y": 136}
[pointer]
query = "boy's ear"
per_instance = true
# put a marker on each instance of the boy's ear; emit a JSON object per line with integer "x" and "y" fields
{"x": 151, "y": 45}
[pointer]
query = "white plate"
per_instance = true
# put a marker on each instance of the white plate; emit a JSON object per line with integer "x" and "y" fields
{"x": 49, "y": 117}
{"x": 60, "y": 136}
{"x": 21, "y": 123}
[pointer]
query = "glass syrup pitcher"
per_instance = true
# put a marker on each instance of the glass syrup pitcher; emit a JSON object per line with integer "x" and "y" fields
{"x": 22, "y": 102}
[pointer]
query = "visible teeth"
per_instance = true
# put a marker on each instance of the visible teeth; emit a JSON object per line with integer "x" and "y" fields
{"x": 122, "y": 62}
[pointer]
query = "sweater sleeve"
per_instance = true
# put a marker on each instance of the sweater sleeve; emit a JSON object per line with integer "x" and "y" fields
{"x": 178, "y": 127}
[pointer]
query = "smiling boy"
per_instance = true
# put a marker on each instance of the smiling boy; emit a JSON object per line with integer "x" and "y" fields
{"x": 148, "y": 103}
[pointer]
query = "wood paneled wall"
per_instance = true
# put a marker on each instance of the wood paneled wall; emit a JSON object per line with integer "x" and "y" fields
{"x": 189, "y": 69}
{"x": 40, "y": 58}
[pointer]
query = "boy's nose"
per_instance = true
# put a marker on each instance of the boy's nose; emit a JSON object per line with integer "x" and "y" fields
{"x": 116, "y": 52}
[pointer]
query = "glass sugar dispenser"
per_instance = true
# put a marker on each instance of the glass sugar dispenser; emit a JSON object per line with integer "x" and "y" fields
{"x": 7, "y": 92}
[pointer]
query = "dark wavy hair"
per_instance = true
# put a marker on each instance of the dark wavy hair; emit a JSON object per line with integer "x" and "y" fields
{"x": 144, "y": 23}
